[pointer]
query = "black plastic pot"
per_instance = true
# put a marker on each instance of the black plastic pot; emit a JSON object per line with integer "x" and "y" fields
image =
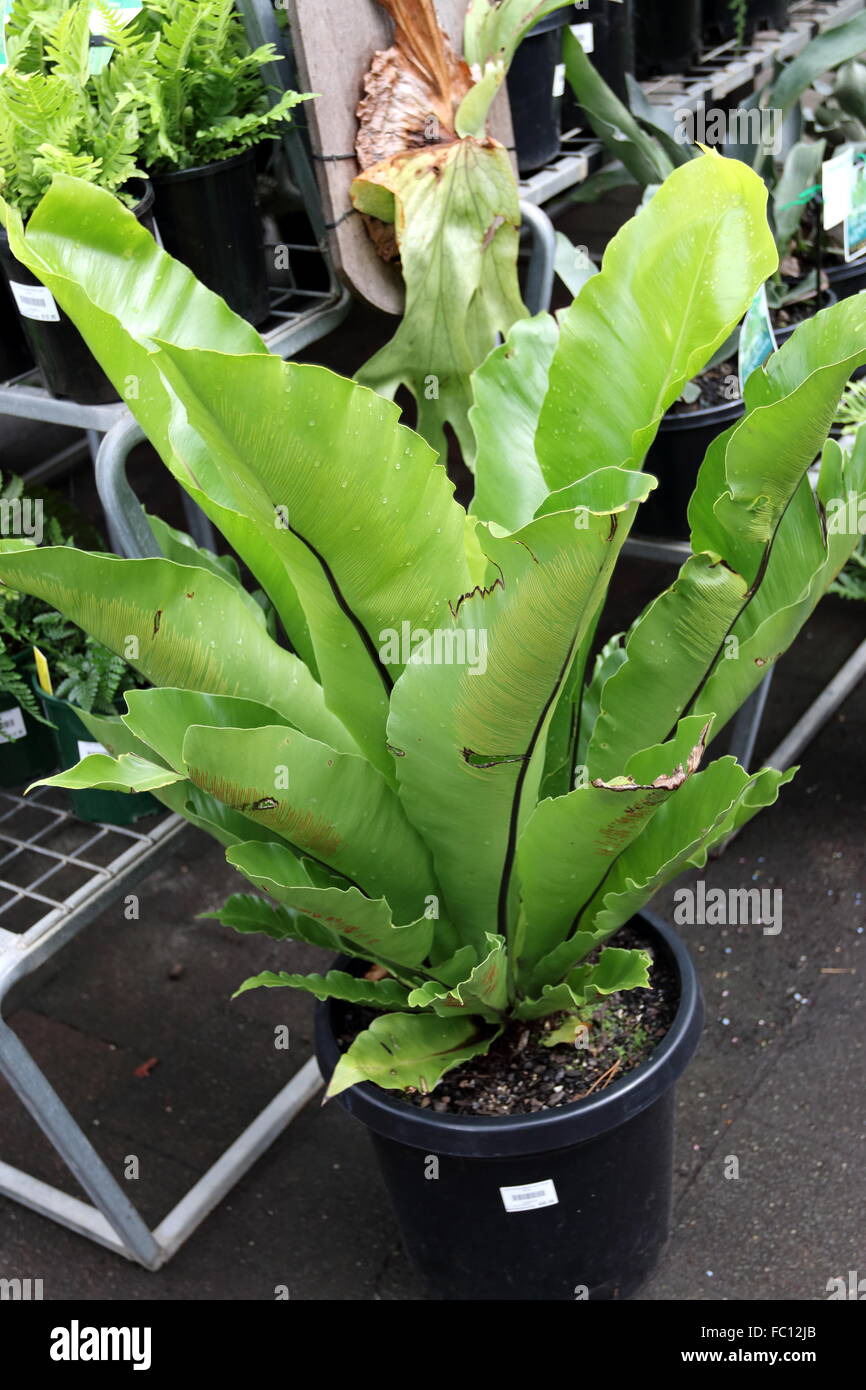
{"x": 14, "y": 357}
{"x": 207, "y": 218}
{"x": 674, "y": 457}
{"x": 720, "y": 25}
{"x": 848, "y": 277}
{"x": 609, "y": 1159}
{"x": 534, "y": 92}
{"x": 27, "y": 748}
{"x": 667, "y": 35}
{"x": 68, "y": 367}
{"x": 612, "y": 52}
{"x": 73, "y": 742}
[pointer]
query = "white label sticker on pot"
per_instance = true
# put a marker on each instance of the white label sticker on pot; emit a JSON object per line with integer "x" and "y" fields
{"x": 86, "y": 750}
{"x": 35, "y": 302}
{"x": 585, "y": 36}
{"x": 559, "y": 80}
{"x": 530, "y": 1197}
{"x": 12, "y": 725}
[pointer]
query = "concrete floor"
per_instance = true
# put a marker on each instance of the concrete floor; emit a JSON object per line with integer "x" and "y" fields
{"x": 778, "y": 1081}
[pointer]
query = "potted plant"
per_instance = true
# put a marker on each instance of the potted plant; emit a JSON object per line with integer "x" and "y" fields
{"x": 799, "y": 285}
{"x": 434, "y": 778}
{"x": 536, "y": 84}
{"x": 206, "y": 110}
{"x": 667, "y": 35}
{"x": 76, "y": 676}
{"x": 57, "y": 114}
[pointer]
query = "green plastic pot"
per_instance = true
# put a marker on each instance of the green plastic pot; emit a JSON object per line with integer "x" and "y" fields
{"x": 73, "y": 742}
{"x": 27, "y": 748}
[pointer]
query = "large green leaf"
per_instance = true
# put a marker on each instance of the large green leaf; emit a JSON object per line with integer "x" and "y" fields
{"x": 613, "y": 123}
{"x": 674, "y": 282}
{"x": 508, "y": 391}
{"x": 706, "y": 642}
{"x": 290, "y": 460}
{"x": 457, "y": 214}
{"x": 827, "y": 51}
{"x": 410, "y": 1051}
{"x": 494, "y": 28}
{"x": 471, "y": 737}
{"x": 250, "y": 915}
{"x": 161, "y": 718}
{"x": 268, "y": 449}
{"x": 569, "y": 842}
{"x": 354, "y": 989}
{"x": 178, "y": 625}
{"x": 98, "y": 771}
{"x": 362, "y": 925}
{"x": 678, "y": 835}
{"x": 333, "y": 806}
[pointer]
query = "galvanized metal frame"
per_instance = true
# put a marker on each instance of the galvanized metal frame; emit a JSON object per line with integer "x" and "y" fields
{"x": 110, "y": 1219}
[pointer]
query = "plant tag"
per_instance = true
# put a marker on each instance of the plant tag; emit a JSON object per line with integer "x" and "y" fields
{"x": 757, "y": 339}
{"x": 12, "y": 725}
{"x": 559, "y": 80}
{"x": 87, "y": 750}
{"x": 101, "y": 48}
{"x": 530, "y": 1197}
{"x": 35, "y": 302}
{"x": 855, "y": 222}
{"x": 836, "y": 187}
{"x": 585, "y": 36}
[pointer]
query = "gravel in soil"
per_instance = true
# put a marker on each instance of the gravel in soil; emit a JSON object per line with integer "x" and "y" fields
{"x": 520, "y": 1076}
{"x": 716, "y": 385}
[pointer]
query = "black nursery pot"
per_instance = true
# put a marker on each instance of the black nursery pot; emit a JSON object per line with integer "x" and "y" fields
{"x": 27, "y": 748}
{"x": 667, "y": 35}
{"x": 207, "y": 218}
{"x": 612, "y": 53}
{"x": 535, "y": 92}
{"x": 68, "y": 367}
{"x": 847, "y": 278}
{"x": 14, "y": 357}
{"x": 607, "y": 1161}
{"x": 674, "y": 457}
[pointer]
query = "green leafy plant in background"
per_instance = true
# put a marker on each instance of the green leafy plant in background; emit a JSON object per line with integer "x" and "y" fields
{"x": 57, "y": 116}
{"x": 448, "y": 190}
{"x": 476, "y": 828}
{"x": 203, "y": 94}
{"x": 89, "y": 675}
{"x": 851, "y": 415}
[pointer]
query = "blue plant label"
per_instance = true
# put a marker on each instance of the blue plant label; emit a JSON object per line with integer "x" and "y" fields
{"x": 757, "y": 339}
{"x": 5, "y": 6}
{"x": 855, "y": 222}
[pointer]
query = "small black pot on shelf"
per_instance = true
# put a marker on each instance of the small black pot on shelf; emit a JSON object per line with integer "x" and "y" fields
{"x": 27, "y": 748}
{"x": 208, "y": 219}
{"x": 603, "y": 1165}
{"x": 68, "y": 367}
{"x": 535, "y": 90}
{"x": 611, "y": 27}
{"x": 667, "y": 35}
